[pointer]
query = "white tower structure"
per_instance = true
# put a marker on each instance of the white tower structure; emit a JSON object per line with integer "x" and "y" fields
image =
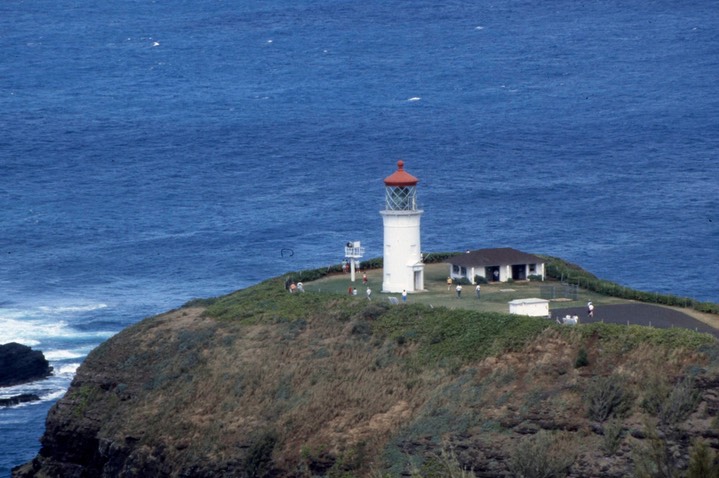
{"x": 403, "y": 267}
{"x": 353, "y": 253}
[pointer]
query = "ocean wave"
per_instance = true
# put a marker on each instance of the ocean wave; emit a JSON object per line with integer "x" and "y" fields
{"x": 68, "y": 369}
{"x": 33, "y": 331}
{"x": 63, "y": 309}
{"x": 53, "y": 355}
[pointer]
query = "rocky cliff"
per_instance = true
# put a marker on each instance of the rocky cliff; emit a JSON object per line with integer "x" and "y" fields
{"x": 266, "y": 383}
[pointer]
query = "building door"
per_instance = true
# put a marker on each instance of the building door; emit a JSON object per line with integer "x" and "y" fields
{"x": 491, "y": 273}
{"x": 519, "y": 272}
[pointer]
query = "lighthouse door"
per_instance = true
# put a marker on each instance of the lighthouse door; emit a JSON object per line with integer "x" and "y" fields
{"x": 417, "y": 280}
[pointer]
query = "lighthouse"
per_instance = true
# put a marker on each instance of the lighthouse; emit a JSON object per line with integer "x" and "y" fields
{"x": 403, "y": 267}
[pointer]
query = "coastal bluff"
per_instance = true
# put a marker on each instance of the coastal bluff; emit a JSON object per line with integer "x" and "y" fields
{"x": 264, "y": 383}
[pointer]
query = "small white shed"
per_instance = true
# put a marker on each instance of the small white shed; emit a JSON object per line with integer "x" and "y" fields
{"x": 532, "y": 307}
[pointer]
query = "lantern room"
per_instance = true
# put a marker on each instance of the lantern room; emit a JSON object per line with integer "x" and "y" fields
{"x": 400, "y": 190}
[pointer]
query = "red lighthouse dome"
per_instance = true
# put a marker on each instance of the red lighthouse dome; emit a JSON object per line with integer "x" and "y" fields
{"x": 400, "y": 177}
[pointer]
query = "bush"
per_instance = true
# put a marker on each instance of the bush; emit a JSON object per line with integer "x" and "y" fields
{"x": 535, "y": 278}
{"x": 582, "y": 359}
{"x": 608, "y": 397}
{"x": 544, "y": 455}
{"x": 612, "y": 438}
{"x": 701, "y": 462}
{"x": 478, "y": 279}
{"x": 656, "y": 390}
{"x": 682, "y": 401}
{"x": 258, "y": 462}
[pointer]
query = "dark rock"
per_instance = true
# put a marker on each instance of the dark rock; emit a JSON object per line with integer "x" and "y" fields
{"x": 18, "y": 399}
{"x": 21, "y": 364}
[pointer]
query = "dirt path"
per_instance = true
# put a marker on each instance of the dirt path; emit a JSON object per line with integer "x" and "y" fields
{"x": 639, "y": 314}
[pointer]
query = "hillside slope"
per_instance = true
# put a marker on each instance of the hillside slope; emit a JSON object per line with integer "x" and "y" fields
{"x": 266, "y": 383}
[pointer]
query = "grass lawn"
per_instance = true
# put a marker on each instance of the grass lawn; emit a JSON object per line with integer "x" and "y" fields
{"x": 494, "y": 297}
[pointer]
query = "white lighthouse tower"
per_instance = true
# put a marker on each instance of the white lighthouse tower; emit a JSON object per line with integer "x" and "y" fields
{"x": 403, "y": 267}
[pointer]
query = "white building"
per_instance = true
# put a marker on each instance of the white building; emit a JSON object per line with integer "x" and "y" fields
{"x": 403, "y": 267}
{"x": 495, "y": 265}
{"x": 532, "y": 307}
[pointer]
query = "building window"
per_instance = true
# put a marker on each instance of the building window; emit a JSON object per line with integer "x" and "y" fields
{"x": 532, "y": 268}
{"x": 464, "y": 271}
{"x": 455, "y": 269}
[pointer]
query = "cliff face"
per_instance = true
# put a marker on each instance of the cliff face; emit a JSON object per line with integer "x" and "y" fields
{"x": 264, "y": 383}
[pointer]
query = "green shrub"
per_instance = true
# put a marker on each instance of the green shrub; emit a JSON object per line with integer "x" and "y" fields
{"x": 582, "y": 359}
{"x": 656, "y": 390}
{"x": 681, "y": 402}
{"x": 478, "y": 279}
{"x": 199, "y": 302}
{"x": 613, "y": 433}
{"x": 702, "y": 462}
{"x": 608, "y": 397}
{"x": 258, "y": 462}
{"x": 544, "y": 455}
{"x": 653, "y": 459}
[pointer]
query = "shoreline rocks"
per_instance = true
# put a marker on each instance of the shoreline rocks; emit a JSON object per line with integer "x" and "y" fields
{"x": 21, "y": 364}
{"x": 18, "y": 399}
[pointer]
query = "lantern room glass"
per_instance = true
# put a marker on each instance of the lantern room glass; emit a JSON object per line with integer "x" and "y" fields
{"x": 401, "y": 198}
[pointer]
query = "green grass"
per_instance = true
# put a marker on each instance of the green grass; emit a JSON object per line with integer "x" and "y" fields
{"x": 494, "y": 297}
{"x": 443, "y": 333}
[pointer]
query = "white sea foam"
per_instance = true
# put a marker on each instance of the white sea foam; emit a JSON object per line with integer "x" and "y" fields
{"x": 64, "y": 309}
{"x": 66, "y": 369}
{"x": 35, "y": 326}
{"x": 62, "y": 354}
{"x": 414, "y": 98}
{"x": 29, "y": 332}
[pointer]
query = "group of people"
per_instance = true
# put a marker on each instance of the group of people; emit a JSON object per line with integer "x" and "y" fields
{"x": 458, "y": 288}
{"x": 353, "y": 290}
{"x": 292, "y": 287}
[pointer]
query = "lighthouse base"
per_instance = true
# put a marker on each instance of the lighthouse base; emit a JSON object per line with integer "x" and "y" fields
{"x": 410, "y": 280}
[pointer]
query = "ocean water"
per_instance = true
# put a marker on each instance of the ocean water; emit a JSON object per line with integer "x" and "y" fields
{"x": 152, "y": 152}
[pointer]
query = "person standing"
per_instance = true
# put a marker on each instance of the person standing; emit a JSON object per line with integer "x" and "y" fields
{"x": 364, "y": 278}
{"x": 449, "y": 283}
{"x": 478, "y": 289}
{"x": 590, "y": 309}
{"x": 404, "y": 295}
{"x": 459, "y": 291}
{"x": 369, "y": 294}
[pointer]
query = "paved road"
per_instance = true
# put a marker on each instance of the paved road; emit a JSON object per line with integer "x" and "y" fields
{"x": 639, "y": 314}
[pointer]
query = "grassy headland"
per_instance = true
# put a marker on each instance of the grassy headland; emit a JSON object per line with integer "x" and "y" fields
{"x": 262, "y": 382}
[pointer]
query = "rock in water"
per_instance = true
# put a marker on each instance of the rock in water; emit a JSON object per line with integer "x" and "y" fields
{"x": 18, "y": 399}
{"x": 21, "y": 364}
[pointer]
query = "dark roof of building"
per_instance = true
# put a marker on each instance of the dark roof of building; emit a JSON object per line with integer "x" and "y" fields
{"x": 493, "y": 257}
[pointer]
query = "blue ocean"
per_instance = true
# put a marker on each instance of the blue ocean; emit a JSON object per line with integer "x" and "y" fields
{"x": 153, "y": 151}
